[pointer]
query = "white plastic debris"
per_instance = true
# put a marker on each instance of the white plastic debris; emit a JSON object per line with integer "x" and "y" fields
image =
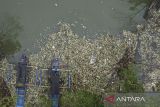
{"x": 55, "y": 4}
{"x": 53, "y": 47}
{"x": 92, "y": 59}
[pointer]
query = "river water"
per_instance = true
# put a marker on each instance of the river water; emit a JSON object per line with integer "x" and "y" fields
{"x": 88, "y": 17}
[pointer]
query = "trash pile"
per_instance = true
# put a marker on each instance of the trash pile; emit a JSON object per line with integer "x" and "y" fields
{"x": 91, "y": 61}
{"x": 150, "y": 51}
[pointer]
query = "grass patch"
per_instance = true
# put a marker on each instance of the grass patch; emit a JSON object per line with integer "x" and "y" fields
{"x": 129, "y": 80}
{"x": 80, "y": 99}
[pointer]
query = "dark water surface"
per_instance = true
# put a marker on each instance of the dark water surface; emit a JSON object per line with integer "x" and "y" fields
{"x": 88, "y": 17}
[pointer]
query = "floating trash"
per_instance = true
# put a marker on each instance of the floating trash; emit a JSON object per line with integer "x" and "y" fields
{"x": 55, "y": 4}
{"x": 94, "y": 70}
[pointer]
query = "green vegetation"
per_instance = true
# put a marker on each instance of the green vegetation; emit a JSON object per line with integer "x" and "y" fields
{"x": 10, "y": 29}
{"x": 129, "y": 80}
{"x": 80, "y": 99}
{"x": 158, "y": 86}
{"x": 43, "y": 101}
{"x": 71, "y": 99}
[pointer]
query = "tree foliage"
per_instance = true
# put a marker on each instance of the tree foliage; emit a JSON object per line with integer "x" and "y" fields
{"x": 10, "y": 29}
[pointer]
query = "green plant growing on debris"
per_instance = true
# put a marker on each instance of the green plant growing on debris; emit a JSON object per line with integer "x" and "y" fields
{"x": 43, "y": 101}
{"x": 158, "y": 86}
{"x": 129, "y": 80}
{"x": 81, "y": 98}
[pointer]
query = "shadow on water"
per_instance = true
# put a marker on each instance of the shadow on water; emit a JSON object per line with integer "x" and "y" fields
{"x": 136, "y": 3}
{"x": 137, "y": 17}
{"x": 10, "y": 29}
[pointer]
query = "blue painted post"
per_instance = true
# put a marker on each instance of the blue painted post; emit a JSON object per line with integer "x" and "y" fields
{"x": 55, "y": 101}
{"x": 69, "y": 80}
{"x": 37, "y": 76}
{"x": 40, "y": 78}
{"x": 20, "y": 97}
{"x": 21, "y": 80}
{"x": 55, "y": 73}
